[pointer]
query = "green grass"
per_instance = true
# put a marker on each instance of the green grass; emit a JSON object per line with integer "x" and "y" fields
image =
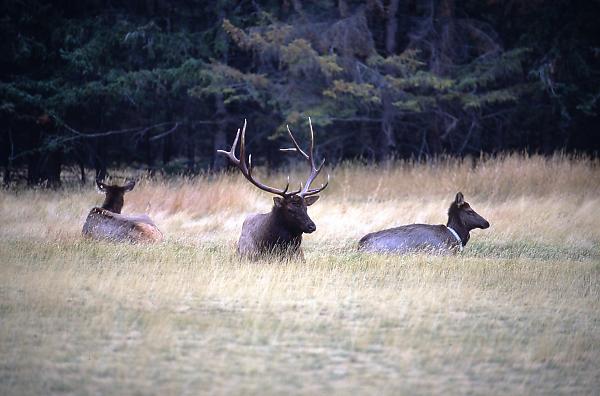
{"x": 82, "y": 317}
{"x": 533, "y": 251}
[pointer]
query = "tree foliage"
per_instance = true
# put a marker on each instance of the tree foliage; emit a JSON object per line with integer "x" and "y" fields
{"x": 160, "y": 85}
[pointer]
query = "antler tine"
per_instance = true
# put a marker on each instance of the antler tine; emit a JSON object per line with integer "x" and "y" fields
{"x": 287, "y": 185}
{"x": 246, "y": 167}
{"x": 243, "y": 149}
{"x": 231, "y": 153}
{"x": 297, "y": 146}
{"x": 318, "y": 190}
{"x": 314, "y": 170}
{"x": 312, "y": 146}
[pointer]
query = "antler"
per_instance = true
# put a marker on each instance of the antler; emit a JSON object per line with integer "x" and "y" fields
{"x": 246, "y": 168}
{"x": 314, "y": 170}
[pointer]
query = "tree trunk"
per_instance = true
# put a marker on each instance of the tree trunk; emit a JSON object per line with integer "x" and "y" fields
{"x": 54, "y": 168}
{"x": 190, "y": 150}
{"x": 386, "y": 142}
{"x": 220, "y": 162}
{"x": 298, "y": 7}
{"x": 6, "y": 179}
{"x": 442, "y": 59}
{"x": 149, "y": 156}
{"x": 33, "y": 167}
{"x": 7, "y": 154}
{"x": 33, "y": 159}
{"x": 220, "y": 139}
{"x": 434, "y": 141}
{"x": 343, "y": 8}
{"x": 82, "y": 172}
{"x": 391, "y": 27}
{"x": 97, "y": 160}
{"x": 443, "y": 56}
{"x": 167, "y": 150}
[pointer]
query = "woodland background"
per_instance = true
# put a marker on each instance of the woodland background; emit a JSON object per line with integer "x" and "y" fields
{"x": 158, "y": 85}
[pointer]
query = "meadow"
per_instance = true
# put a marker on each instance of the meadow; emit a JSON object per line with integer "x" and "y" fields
{"x": 518, "y": 312}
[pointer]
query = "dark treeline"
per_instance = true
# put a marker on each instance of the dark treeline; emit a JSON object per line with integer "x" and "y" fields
{"x": 159, "y": 85}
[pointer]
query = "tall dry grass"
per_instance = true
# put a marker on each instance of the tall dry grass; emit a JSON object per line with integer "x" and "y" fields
{"x": 516, "y": 313}
{"x": 534, "y": 199}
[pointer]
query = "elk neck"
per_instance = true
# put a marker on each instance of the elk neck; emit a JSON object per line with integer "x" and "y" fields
{"x": 113, "y": 204}
{"x": 457, "y": 225}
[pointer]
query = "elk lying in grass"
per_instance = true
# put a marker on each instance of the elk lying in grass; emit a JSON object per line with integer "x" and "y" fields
{"x": 424, "y": 237}
{"x": 108, "y": 223}
{"x": 280, "y": 231}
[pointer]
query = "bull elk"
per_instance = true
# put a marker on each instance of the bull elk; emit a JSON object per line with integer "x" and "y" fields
{"x": 425, "y": 237}
{"x": 108, "y": 223}
{"x": 280, "y": 231}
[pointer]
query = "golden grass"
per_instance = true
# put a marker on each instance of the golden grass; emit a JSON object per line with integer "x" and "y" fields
{"x": 517, "y": 312}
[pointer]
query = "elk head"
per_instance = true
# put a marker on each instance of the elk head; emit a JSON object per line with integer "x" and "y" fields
{"x": 291, "y": 205}
{"x": 460, "y": 211}
{"x": 114, "y": 195}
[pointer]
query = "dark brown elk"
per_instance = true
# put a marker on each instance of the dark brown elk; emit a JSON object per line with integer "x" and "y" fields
{"x": 108, "y": 223}
{"x": 449, "y": 238}
{"x": 278, "y": 232}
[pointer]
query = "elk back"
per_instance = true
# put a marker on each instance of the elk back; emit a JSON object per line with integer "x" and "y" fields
{"x": 410, "y": 238}
{"x": 106, "y": 225}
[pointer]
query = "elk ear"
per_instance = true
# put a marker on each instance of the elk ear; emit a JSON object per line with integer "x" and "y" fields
{"x": 459, "y": 200}
{"x": 101, "y": 186}
{"x": 278, "y": 201}
{"x": 129, "y": 186}
{"x": 311, "y": 200}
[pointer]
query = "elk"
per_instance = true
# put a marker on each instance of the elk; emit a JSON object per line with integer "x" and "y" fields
{"x": 449, "y": 238}
{"x": 108, "y": 223}
{"x": 278, "y": 232}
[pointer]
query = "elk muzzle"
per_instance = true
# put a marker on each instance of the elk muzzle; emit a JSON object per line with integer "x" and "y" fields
{"x": 309, "y": 227}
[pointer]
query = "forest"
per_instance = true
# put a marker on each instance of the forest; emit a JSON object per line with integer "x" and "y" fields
{"x": 159, "y": 86}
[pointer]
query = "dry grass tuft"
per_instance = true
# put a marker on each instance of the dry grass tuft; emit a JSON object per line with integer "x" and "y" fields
{"x": 517, "y": 312}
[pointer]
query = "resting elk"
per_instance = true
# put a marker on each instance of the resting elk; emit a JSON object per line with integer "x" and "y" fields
{"x": 449, "y": 238}
{"x": 278, "y": 232}
{"x": 108, "y": 223}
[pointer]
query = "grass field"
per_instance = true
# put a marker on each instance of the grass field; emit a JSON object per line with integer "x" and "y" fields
{"x": 518, "y": 312}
